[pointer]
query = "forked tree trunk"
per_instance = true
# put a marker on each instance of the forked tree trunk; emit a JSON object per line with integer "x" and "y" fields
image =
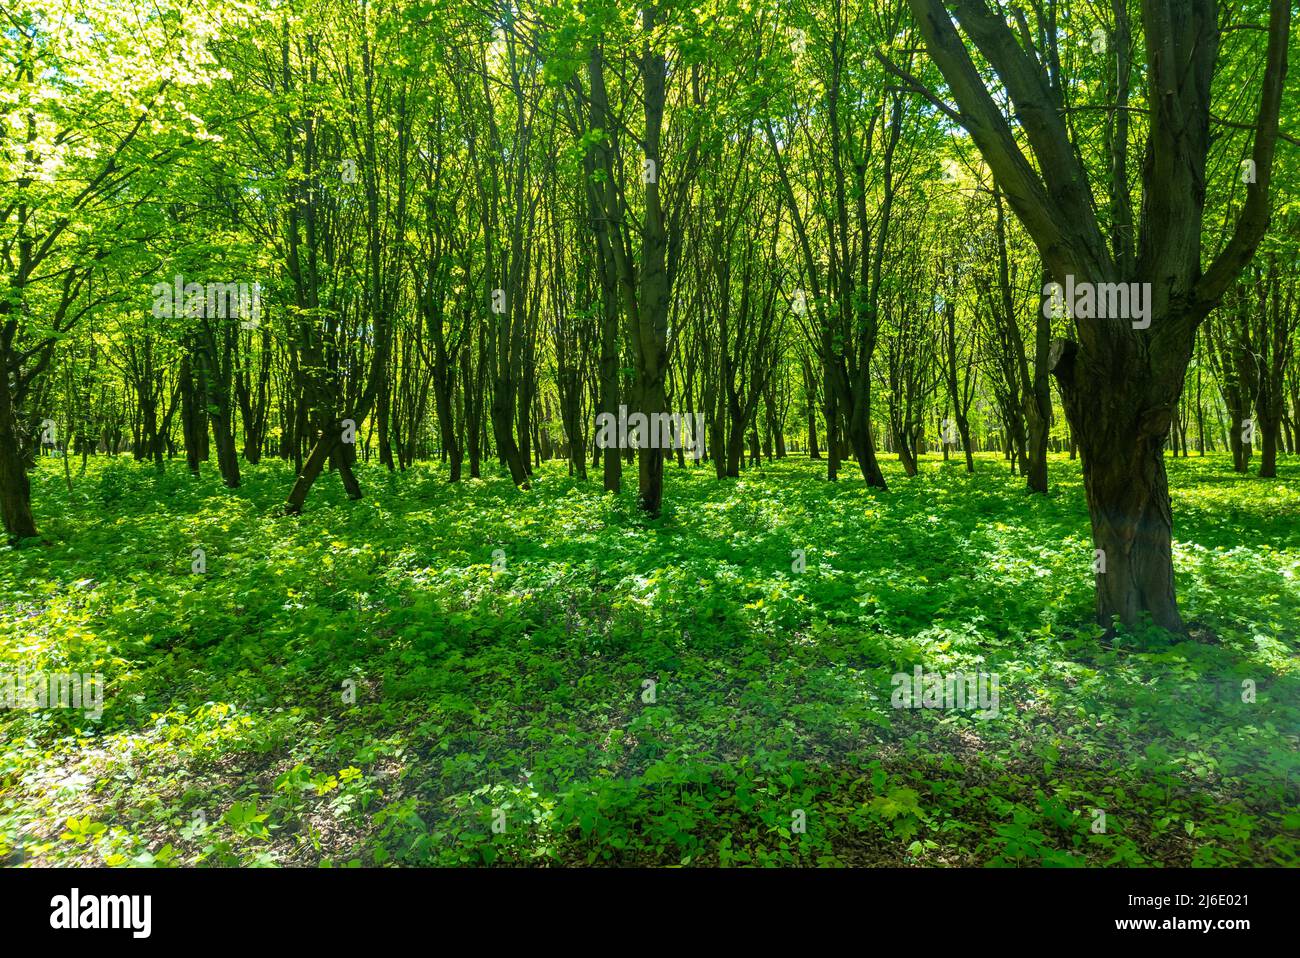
{"x": 508, "y": 448}
{"x": 227, "y": 458}
{"x": 735, "y": 446}
{"x": 443, "y": 389}
{"x": 344, "y": 456}
{"x": 215, "y": 389}
{"x": 328, "y": 446}
{"x": 963, "y": 430}
{"x": 311, "y": 470}
{"x": 906, "y": 455}
{"x": 864, "y": 449}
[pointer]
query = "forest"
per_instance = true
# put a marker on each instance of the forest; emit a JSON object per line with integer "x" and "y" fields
{"x": 551, "y": 433}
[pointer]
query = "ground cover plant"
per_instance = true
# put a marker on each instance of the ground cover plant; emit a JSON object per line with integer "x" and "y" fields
{"x": 378, "y": 682}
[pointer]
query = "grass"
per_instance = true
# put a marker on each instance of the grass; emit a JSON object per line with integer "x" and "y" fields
{"x": 470, "y": 675}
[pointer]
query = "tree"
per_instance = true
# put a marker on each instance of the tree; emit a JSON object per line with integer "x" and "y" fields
{"x": 1120, "y": 381}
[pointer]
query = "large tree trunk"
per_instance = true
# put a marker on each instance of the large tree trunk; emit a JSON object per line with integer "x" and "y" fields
{"x": 1132, "y": 525}
{"x": 648, "y": 327}
{"x": 1121, "y": 420}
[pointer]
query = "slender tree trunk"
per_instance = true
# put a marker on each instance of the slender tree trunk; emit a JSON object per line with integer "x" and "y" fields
{"x": 832, "y": 433}
{"x": 1270, "y": 430}
{"x": 15, "y": 487}
{"x": 1038, "y": 401}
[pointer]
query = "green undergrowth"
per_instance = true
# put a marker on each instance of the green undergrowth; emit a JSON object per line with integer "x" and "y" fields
{"x": 473, "y": 675}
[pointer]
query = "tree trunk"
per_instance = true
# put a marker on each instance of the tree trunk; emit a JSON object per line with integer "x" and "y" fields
{"x": 1132, "y": 524}
{"x": 311, "y": 470}
{"x": 1270, "y": 429}
{"x": 832, "y": 433}
{"x": 1038, "y": 401}
{"x": 1121, "y": 440}
{"x": 15, "y": 487}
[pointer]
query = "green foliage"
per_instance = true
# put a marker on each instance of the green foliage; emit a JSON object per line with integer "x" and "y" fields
{"x": 501, "y": 716}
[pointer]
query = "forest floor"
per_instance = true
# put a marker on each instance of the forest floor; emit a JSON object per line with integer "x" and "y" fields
{"x": 374, "y": 682}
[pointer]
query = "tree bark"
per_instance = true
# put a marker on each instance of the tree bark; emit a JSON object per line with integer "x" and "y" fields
{"x": 15, "y": 487}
